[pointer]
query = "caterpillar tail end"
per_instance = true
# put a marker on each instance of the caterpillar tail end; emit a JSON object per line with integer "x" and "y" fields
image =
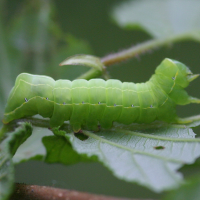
{"x": 194, "y": 100}
{"x": 187, "y": 120}
{"x": 191, "y": 77}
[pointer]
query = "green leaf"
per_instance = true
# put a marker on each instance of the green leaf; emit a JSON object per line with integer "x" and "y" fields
{"x": 7, "y": 148}
{"x": 160, "y": 18}
{"x": 189, "y": 190}
{"x": 85, "y": 60}
{"x": 149, "y": 156}
{"x": 33, "y": 148}
{"x": 59, "y": 150}
{"x": 42, "y": 145}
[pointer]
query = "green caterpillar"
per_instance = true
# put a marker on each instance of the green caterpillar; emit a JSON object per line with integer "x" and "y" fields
{"x": 101, "y": 102}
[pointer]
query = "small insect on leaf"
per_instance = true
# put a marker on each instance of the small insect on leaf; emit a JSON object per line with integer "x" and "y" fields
{"x": 159, "y": 147}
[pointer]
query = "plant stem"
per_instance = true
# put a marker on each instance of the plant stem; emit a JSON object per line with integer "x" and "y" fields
{"x": 141, "y": 48}
{"x": 134, "y": 52}
{"x": 33, "y": 192}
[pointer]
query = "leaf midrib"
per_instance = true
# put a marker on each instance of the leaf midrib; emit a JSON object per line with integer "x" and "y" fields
{"x": 156, "y": 137}
{"x": 94, "y": 136}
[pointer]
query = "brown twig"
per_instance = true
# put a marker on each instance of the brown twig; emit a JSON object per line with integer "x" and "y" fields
{"x": 34, "y": 192}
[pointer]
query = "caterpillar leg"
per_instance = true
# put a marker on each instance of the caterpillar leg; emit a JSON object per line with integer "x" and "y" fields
{"x": 191, "y": 119}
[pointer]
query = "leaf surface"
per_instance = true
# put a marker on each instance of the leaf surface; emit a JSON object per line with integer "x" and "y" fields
{"x": 33, "y": 148}
{"x": 149, "y": 157}
{"x": 160, "y": 18}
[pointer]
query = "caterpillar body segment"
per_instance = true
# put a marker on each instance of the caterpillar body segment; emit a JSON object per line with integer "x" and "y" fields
{"x": 101, "y": 102}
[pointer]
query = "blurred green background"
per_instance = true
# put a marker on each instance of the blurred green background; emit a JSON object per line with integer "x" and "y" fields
{"x": 35, "y": 36}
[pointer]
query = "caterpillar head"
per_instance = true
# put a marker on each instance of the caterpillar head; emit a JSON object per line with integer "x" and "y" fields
{"x": 177, "y": 71}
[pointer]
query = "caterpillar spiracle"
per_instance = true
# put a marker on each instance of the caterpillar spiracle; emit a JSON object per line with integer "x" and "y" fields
{"x": 97, "y": 101}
